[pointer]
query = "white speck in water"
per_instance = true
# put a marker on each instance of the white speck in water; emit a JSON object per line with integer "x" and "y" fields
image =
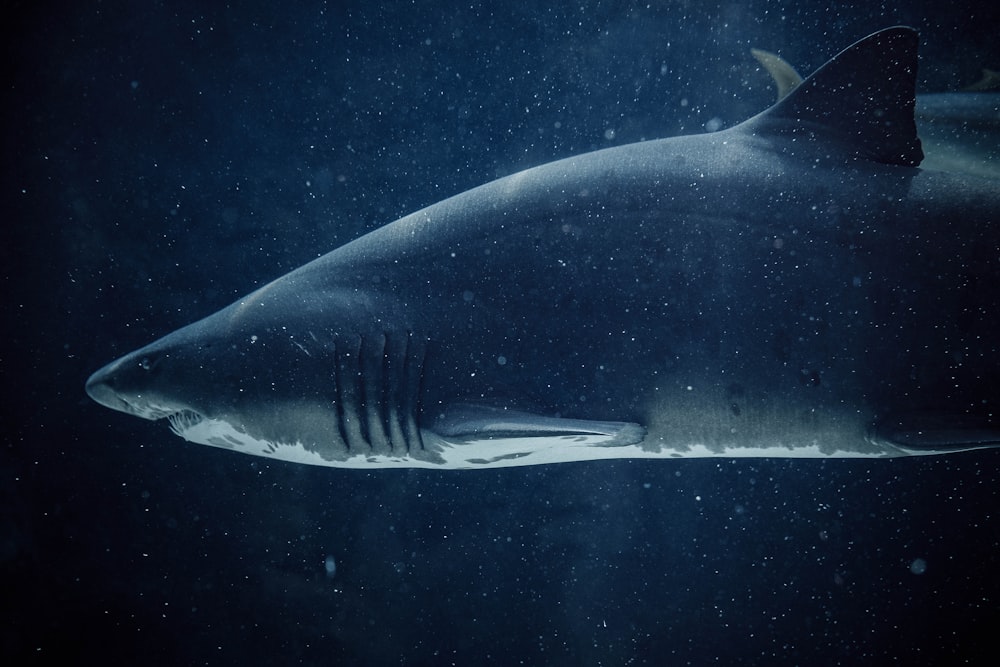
{"x": 918, "y": 566}
{"x": 502, "y": 360}
{"x": 331, "y": 567}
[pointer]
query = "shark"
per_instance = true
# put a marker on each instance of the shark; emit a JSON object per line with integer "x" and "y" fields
{"x": 793, "y": 286}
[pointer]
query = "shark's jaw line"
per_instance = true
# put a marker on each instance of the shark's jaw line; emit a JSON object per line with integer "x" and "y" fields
{"x": 148, "y": 409}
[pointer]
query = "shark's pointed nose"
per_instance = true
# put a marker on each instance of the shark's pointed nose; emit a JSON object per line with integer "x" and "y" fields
{"x": 100, "y": 387}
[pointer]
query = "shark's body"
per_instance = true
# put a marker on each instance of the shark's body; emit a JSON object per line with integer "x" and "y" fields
{"x": 960, "y": 132}
{"x": 793, "y": 286}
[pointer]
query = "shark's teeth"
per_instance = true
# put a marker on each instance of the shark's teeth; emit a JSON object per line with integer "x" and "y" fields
{"x": 184, "y": 420}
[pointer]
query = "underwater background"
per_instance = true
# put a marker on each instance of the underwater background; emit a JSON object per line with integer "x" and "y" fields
{"x": 161, "y": 159}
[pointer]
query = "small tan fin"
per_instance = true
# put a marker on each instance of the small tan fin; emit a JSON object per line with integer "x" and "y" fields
{"x": 990, "y": 81}
{"x": 784, "y": 75}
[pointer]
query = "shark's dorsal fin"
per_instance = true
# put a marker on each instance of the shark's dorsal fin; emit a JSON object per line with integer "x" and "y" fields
{"x": 862, "y": 99}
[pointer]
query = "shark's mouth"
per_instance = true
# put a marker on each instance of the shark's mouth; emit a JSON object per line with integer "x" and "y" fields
{"x": 183, "y": 420}
{"x": 138, "y": 406}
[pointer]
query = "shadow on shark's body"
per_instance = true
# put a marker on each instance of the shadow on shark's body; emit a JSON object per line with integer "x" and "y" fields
{"x": 794, "y": 286}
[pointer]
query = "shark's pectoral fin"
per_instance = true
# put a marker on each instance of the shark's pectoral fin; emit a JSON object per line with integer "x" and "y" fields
{"x": 468, "y": 421}
{"x": 489, "y": 436}
{"x": 939, "y": 432}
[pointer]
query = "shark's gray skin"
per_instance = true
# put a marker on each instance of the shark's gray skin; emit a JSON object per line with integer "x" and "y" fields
{"x": 960, "y": 132}
{"x": 794, "y": 286}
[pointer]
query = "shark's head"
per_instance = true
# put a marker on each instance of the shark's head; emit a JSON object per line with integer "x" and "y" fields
{"x": 148, "y": 383}
{"x": 269, "y": 372}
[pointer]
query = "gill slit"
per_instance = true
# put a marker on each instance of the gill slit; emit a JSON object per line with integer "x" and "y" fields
{"x": 378, "y": 381}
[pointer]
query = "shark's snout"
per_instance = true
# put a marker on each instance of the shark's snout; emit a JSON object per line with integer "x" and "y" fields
{"x": 112, "y": 387}
{"x": 100, "y": 387}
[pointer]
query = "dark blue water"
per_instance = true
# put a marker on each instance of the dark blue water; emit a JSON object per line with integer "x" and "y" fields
{"x": 161, "y": 159}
